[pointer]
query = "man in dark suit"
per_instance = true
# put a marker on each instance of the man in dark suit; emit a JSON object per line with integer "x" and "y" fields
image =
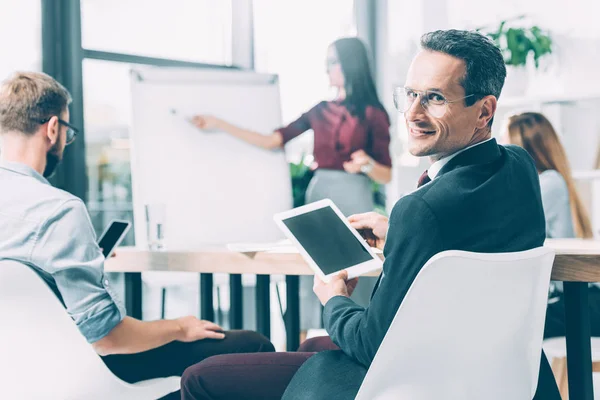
{"x": 476, "y": 196}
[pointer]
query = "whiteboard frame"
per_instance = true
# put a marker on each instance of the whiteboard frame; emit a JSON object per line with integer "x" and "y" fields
{"x": 185, "y": 76}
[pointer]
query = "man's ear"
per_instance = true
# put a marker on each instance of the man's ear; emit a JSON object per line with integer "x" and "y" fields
{"x": 486, "y": 111}
{"x": 53, "y": 130}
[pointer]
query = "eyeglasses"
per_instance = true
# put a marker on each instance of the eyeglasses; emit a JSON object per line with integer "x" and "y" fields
{"x": 71, "y": 130}
{"x": 433, "y": 102}
{"x": 330, "y": 62}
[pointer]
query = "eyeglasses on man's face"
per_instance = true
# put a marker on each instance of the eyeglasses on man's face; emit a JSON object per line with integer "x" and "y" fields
{"x": 71, "y": 130}
{"x": 432, "y": 101}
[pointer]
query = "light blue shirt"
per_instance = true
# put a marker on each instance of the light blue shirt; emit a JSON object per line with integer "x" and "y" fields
{"x": 557, "y": 207}
{"x": 557, "y": 210}
{"x": 50, "y": 230}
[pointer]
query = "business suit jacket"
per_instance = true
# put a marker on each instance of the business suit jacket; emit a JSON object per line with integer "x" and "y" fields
{"x": 486, "y": 199}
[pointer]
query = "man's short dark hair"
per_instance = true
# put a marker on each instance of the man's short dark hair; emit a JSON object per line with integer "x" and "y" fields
{"x": 485, "y": 69}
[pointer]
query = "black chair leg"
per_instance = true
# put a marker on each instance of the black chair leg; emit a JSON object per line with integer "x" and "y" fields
{"x": 219, "y": 309}
{"x": 162, "y": 303}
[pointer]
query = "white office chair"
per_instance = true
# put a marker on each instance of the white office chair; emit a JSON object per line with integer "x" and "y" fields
{"x": 44, "y": 356}
{"x": 469, "y": 328}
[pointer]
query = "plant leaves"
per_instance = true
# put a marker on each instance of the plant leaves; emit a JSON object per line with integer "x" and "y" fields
{"x": 516, "y": 43}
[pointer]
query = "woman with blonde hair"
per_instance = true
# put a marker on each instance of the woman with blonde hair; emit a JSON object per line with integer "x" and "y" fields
{"x": 566, "y": 217}
{"x": 565, "y": 213}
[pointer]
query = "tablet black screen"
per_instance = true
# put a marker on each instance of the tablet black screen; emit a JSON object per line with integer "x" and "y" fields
{"x": 327, "y": 240}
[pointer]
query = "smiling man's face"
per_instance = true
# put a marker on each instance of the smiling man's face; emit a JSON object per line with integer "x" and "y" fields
{"x": 456, "y": 129}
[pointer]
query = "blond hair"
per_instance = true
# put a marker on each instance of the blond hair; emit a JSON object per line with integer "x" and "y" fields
{"x": 29, "y": 98}
{"x": 535, "y": 133}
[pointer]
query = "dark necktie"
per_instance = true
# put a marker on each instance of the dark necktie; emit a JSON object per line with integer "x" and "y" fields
{"x": 423, "y": 179}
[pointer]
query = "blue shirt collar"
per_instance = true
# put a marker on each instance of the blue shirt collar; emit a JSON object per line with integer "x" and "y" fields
{"x": 22, "y": 169}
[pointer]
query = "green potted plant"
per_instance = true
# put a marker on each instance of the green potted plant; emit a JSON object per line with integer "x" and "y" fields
{"x": 520, "y": 45}
{"x": 301, "y": 175}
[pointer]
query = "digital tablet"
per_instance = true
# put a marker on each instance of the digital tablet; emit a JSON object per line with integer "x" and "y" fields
{"x": 112, "y": 236}
{"x": 326, "y": 240}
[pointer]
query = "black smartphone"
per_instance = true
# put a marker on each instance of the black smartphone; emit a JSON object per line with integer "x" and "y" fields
{"x": 113, "y": 235}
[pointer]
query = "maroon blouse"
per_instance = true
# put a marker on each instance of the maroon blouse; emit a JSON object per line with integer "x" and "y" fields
{"x": 338, "y": 134}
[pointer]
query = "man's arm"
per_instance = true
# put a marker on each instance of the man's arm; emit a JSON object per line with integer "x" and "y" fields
{"x": 134, "y": 336}
{"x": 413, "y": 237}
{"x": 66, "y": 248}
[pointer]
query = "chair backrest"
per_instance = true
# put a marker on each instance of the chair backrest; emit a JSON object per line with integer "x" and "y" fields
{"x": 42, "y": 353}
{"x": 470, "y": 327}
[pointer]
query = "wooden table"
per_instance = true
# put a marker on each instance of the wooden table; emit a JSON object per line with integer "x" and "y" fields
{"x": 577, "y": 262}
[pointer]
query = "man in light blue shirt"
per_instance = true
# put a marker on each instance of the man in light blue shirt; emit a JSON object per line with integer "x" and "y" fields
{"x": 50, "y": 231}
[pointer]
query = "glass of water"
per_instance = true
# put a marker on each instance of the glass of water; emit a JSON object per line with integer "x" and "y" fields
{"x": 155, "y": 226}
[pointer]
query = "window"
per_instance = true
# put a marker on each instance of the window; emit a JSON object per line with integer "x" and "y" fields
{"x": 22, "y": 52}
{"x": 190, "y": 30}
{"x": 20, "y": 28}
{"x": 291, "y": 40}
{"x": 107, "y": 101}
{"x": 184, "y": 30}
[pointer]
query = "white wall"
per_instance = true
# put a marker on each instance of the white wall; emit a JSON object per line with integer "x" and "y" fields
{"x": 20, "y": 30}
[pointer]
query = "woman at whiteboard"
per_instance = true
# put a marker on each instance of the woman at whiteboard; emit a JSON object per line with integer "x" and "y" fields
{"x": 351, "y": 132}
{"x": 351, "y": 139}
{"x": 565, "y": 214}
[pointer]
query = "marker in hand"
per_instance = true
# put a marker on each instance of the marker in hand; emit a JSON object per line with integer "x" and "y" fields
{"x": 207, "y": 123}
{"x": 176, "y": 113}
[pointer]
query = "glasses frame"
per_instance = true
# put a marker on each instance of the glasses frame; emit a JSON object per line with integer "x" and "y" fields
{"x": 424, "y": 102}
{"x": 331, "y": 62}
{"x": 72, "y": 131}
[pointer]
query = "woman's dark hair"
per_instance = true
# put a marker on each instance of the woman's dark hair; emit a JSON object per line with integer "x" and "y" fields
{"x": 358, "y": 81}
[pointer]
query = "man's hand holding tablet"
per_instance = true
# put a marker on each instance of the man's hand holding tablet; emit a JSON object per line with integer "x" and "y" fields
{"x": 338, "y": 285}
{"x": 327, "y": 241}
{"x": 372, "y": 227}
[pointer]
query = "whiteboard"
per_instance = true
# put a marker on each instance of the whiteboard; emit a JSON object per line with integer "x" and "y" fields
{"x": 216, "y": 189}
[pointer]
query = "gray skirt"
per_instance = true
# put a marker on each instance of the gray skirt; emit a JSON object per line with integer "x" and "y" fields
{"x": 353, "y": 194}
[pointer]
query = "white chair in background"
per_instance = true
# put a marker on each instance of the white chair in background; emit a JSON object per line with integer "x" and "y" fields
{"x": 316, "y": 332}
{"x": 469, "y": 328}
{"x": 44, "y": 356}
{"x": 556, "y": 351}
{"x": 170, "y": 280}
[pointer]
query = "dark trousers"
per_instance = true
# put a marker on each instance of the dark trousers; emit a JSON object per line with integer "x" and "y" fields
{"x": 248, "y": 376}
{"x": 266, "y": 376}
{"x": 173, "y": 358}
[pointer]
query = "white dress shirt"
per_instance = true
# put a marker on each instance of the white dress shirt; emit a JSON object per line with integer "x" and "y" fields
{"x": 437, "y": 166}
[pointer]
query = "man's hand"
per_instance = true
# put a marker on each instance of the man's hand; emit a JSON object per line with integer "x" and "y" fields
{"x": 193, "y": 329}
{"x": 357, "y": 160}
{"x": 339, "y": 285}
{"x": 206, "y": 122}
{"x": 372, "y": 226}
